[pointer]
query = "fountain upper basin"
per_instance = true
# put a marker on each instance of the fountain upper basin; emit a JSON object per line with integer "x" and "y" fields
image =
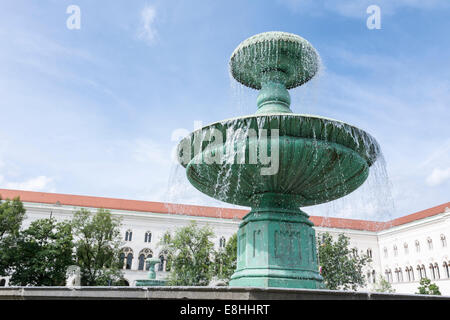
{"x": 304, "y": 159}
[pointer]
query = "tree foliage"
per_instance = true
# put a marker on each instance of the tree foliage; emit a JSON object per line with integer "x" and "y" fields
{"x": 12, "y": 214}
{"x": 41, "y": 254}
{"x": 189, "y": 251}
{"x": 382, "y": 285}
{"x": 98, "y": 247}
{"x": 426, "y": 287}
{"x": 341, "y": 266}
{"x": 225, "y": 260}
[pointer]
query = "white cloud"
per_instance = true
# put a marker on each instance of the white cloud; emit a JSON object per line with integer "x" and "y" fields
{"x": 438, "y": 176}
{"x": 40, "y": 183}
{"x": 147, "y": 31}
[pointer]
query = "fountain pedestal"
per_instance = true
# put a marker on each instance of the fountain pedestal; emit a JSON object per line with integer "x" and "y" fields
{"x": 276, "y": 248}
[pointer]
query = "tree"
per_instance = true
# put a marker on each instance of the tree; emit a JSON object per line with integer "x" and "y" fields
{"x": 189, "y": 250}
{"x": 225, "y": 260}
{"x": 382, "y": 285}
{"x": 42, "y": 254}
{"x": 341, "y": 267}
{"x": 12, "y": 214}
{"x": 426, "y": 287}
{"x": 98, "y": 247}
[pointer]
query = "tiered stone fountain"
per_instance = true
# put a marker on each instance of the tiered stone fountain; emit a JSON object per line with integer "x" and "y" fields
{"x": 275, "y": 162}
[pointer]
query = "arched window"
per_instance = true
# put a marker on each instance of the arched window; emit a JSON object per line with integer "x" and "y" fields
{"x": 432, "y": 271}
{"x": 443, "y": 241}
{"x": 417, "y": 243}
{"x": 419, "y": 271}
{"x": 399, "y": 274}
{"x": 129, "y": 260}
{"x": 430, "y": 244}
{"x": 222, "y": 242}
{"x": 388, "y": 273}
{"x": 446, "y": 268}
{"x": 436, "y": 271}
{"x": 128, "y": 235}
{"x": 162, "y": 266}
{"x": 144, "y": 254}
{"x": 2, "y": 282}
{"x": 424, "y": 272}
{"x": 369, "y": 253}
{"x": 405, "y": 246}
{"x": 127, "y": 257}
{"x": 395, "y": 251}
{"x": 408, "y": 274}
{"x": 148, "y": 237}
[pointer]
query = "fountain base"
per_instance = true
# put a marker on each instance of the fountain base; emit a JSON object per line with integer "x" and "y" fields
{"x": 276, "y": 248}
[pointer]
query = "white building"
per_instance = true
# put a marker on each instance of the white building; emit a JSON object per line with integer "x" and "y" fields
{"x": 403, "y": 250}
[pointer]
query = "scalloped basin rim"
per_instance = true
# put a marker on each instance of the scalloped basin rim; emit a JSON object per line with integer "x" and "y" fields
{"x": 369, "y": 155}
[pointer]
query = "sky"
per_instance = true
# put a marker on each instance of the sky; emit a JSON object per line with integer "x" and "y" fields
{"x": 96, "y": 110}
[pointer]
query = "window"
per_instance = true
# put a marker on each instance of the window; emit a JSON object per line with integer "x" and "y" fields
{"x": 385, "y": 252}
{"x": 432, "y": 273}
{"x": 369, "y": 253}
{"x": 421, "y": 271}
{"x": 388, "y": 273}
{"x": 127, "y": 257}
{"x": 148, "y": 237}
{"x": 399, "y": 274}
{"x": 436, "y": 271}
{"x": 2, "y": 282}
{"x": 405, "y": 246}
{"x": 446, "y": 268}
{"x": 430, "y": 244}
{"x": 143, "y": 255}
{"x": 373, "y": 276}
{"x": 128, "y": 235}
{"x": 417, "y": 243}
{"x": 162, "y": 266}
{"x": 409, "y": 273}
{"x": 395, "y": 251}
{"x": 443, "y": 241}
{"x": 222, "y": 242}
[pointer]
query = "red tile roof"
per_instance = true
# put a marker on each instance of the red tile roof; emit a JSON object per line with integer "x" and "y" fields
{"x": 213, "y": 212}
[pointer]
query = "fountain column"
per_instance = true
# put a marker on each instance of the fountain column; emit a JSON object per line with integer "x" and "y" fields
{"x": 276, "y": 247}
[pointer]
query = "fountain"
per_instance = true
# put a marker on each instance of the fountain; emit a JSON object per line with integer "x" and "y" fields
{"x": 275, "y": 162}
{"x": 151, "y": 281}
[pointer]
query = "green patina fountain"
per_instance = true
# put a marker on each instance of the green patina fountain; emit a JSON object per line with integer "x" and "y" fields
{"x": 151, "y": 281}
{"x": 275, "y": 162}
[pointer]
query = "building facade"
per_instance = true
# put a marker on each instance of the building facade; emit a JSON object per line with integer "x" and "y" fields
{"x": 403, "y": 250}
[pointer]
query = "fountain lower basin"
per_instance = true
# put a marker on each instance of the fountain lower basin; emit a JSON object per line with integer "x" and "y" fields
{"x": 317, "y": 159}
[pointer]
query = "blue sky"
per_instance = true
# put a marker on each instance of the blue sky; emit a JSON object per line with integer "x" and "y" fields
{"x": 92, "y": 111}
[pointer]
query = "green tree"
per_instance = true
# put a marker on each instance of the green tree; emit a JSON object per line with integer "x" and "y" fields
{"x": 98, "y": 246}
{"x": 42, "y": 254}
{"x": 225, "y": 260}
{"x": 341, "y": 266}
{"x": 189, "y": 251}
{"x": 382, "y": 285}
{"x": 12, "y": 214}
{"x": 426, "y": 287}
